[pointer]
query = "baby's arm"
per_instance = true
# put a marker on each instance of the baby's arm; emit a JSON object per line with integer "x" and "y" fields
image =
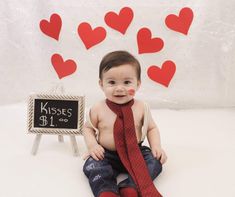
{"x": 154, "y": 140}
{"x": 95, "y": 150}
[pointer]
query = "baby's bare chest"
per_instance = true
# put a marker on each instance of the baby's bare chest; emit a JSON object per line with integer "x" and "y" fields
{"x": 107, "y": 119}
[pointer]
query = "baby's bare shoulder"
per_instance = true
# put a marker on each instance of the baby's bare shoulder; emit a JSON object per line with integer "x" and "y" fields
{"x": 94, "y": 112}
{"x": 140, "y": 104}
{"x": 97, "y": 107}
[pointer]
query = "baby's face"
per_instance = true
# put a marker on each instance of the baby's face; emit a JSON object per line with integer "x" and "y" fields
{"x": 120, "y": 83}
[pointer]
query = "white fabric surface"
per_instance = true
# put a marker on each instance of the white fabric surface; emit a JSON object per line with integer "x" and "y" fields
{"x": 199, "y": 143}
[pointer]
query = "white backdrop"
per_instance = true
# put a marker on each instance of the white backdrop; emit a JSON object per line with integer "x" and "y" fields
{"x": 205, "y": 58}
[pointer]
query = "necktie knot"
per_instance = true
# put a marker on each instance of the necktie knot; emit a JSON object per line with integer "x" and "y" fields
{"x": 117, "y": 108}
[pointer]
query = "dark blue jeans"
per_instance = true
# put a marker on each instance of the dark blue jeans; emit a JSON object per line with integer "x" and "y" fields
{"x": 102, "y": 174}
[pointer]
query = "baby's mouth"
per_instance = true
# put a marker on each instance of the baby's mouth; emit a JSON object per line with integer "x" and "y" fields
{"x": 119, "y": 96}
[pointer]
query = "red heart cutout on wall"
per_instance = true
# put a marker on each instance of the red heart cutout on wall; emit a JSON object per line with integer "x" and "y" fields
{"x": 63, "y": 68}
{"x": 53, "y": 27}
{"x": 147, "y": 44}
{"x": 119, "y": 22}
{"x": 89, "y": 36}
{"x": 164, "y": 74}
{"x": 180, "y": 23}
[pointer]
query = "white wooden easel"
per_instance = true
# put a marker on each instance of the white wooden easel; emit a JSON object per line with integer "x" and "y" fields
{"x": 57, "y": 89}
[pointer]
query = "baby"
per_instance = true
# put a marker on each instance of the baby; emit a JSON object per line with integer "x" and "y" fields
{"x": 108, "y": 132}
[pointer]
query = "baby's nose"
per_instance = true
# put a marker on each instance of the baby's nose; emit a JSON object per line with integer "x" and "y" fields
{"x": 120, "y": 88}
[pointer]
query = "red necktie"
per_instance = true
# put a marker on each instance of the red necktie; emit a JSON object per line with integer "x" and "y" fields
{"x": 128, "y": 149}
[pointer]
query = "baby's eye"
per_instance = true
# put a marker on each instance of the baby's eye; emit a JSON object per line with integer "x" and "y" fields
{"x": 111, "y": 82}
{"x": 127, "y": 82}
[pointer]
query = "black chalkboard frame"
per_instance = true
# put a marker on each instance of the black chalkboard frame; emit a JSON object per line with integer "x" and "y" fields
{"x": 58, "y": 131}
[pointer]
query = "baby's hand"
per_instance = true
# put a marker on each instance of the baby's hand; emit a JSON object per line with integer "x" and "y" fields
{"x": 97, "y": 152}
{"x": 159, "y": 153}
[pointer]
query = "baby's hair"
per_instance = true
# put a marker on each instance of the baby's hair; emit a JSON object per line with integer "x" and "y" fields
{"x": 118, "y": 58}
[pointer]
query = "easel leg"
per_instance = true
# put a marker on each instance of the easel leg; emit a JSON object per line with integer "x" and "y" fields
{"x": 74, "y": 145}
{"x": 60, "y": 138}
{"x": 36, "y": 144}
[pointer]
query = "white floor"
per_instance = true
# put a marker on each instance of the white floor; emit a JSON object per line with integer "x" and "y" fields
{"x": 200, "y": 145}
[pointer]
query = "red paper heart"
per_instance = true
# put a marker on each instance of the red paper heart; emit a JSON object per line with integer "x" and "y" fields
{"x": 53, "y": 27}
{"x": 180, "y": 23}
{"x": 119, "y": 22}
{"x": 91, "y": 37}
{"x": 147, "y": 44}
{"x": 164, "y": 74}
{"x": 63, "y": 68}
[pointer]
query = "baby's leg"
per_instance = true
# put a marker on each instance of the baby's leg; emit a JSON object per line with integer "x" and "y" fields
{"x": 154, "y": 166}
{"x": 102, "y": 177}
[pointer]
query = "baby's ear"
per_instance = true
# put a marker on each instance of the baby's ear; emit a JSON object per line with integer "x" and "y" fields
{"x": 101, "y": 83}
{"x": 138, "y": 84}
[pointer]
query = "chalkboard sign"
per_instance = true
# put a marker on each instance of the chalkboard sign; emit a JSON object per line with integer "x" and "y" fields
{"x": 55, "y": 114}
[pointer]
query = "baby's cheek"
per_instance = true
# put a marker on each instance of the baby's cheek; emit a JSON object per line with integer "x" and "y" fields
{"x": 131, "y": 92}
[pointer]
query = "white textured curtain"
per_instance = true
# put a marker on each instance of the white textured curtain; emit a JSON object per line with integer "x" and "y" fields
{"x": 205, "y": 58}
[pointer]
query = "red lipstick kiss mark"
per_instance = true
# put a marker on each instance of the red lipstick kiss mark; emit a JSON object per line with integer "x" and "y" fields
{"x": 131, "y": 92}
